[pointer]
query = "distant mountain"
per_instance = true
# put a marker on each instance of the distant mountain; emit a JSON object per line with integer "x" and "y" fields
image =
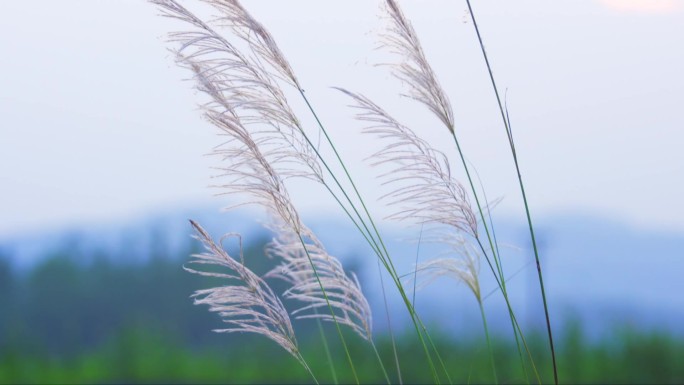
{"x": 597, "y": 271}
{"x": 135, "y": 240}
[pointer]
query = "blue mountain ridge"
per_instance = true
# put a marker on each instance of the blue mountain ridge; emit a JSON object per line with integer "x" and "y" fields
{"x": 597, "y": 271}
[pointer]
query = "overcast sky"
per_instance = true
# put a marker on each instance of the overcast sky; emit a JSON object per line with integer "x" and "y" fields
{"x": 98, "y": 125}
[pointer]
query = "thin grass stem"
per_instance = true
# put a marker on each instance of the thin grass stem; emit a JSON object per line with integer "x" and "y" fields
{"x": 382, "y": 366}
{"x": 522, "y": 190}
{"x": 388, "y": 261}
{"x": 415, "y": 274}
{"x": 389, "y": 325}
{"x": 434, "y": 347}
{"x": 332, "y": 311}
{"x": 324, "y": 339}
{"x": 302, "y": 361}
{"x": 489, "y": 343}
{"x": 514, "y": 323}
{"x": 501, "y": 281}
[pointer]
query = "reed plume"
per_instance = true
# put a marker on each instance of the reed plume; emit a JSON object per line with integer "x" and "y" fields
{"x": 265, "y": 146}
{"x": 414, "y": 70}
{"x": 344, "y": 294}
{"x": 248, "y": 304}
{"x": 243, "y": 86}
{"x": 260, "y": 40}
{"x": 426, "y": 193}
{"x": 462, "y": 264}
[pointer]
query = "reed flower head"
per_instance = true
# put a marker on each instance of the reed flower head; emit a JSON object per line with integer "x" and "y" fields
{"x": 426, "y": 192}
{"x": 265, "y": 146}
{"x": 462, "y": 264}
{"x": 248, "y": 304}
{"x": 415, "y": 70}
{"x": 260, "y": 40}
{"x": 243, "y": 87}
{"x": 305, "y": 262}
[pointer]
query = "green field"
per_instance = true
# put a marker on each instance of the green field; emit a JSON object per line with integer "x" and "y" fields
{"x": 66, "y": 322}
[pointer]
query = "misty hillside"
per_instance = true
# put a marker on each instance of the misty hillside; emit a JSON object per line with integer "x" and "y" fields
{"x": 598, "y": 271}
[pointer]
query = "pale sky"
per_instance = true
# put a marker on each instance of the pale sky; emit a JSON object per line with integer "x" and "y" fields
{"x": 98, "y": 125}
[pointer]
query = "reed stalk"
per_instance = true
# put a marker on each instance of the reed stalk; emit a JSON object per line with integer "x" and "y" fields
{"x": 511, "y": 143}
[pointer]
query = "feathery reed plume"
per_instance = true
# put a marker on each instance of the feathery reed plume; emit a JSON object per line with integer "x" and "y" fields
{"x": 243, "y": 94}
{"x": 250, "y": 172}
{"x": 343, "y": 292}
{"x": 242, "y": 86}
{"x": 464, "y": 268}
{"x": 245, "y": 26}
{"x": 261, "y": 42}
{"x": 249, "y": 304}
{"x": 427, "y": 192}
{"x": 416, "y": 72}
{"x": 414, "y": 69}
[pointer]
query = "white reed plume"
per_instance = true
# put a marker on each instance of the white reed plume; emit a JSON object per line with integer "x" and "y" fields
{"x": 303, "y": 256}
{"x": 306, "y": 264}
{"x": 427, "y": 193}
{"x": 248, "y": 304}
{"x": 260, "y": 40}
{"x": 414, "y": 70}
{"x": 264, "y": 142}
{"x": 241, "y": 86}
{"x": 297, "y": 254}
{"x": 463, "y": 264}
{"x": 249, "y": 171}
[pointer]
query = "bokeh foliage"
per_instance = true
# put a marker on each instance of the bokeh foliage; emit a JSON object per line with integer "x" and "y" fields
{"x": 71, "y": 319}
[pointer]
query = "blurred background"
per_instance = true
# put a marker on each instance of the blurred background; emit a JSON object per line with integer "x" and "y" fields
{"x": 102, "y": 163}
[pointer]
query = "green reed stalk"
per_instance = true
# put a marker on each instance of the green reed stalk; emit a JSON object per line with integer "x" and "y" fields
{"x": 516, "y": 326}
{"x": 383, "y": 255}
{"x": 522, "y": 190}
{"x": 302, "y": 361}
{"x": 332, "y": 311}
{"x": 489, "y": 343}
{"x": 499, "y": 270}
{"x": 384, "y": 372}
{"x": 389, "y": 325}
{"x": 327, "y": 349}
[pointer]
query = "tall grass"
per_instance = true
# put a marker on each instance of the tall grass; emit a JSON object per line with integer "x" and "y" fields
{"x": 247, "y": 80}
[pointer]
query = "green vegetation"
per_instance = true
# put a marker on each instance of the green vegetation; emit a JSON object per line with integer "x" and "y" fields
{"x": 66, "y": 321}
